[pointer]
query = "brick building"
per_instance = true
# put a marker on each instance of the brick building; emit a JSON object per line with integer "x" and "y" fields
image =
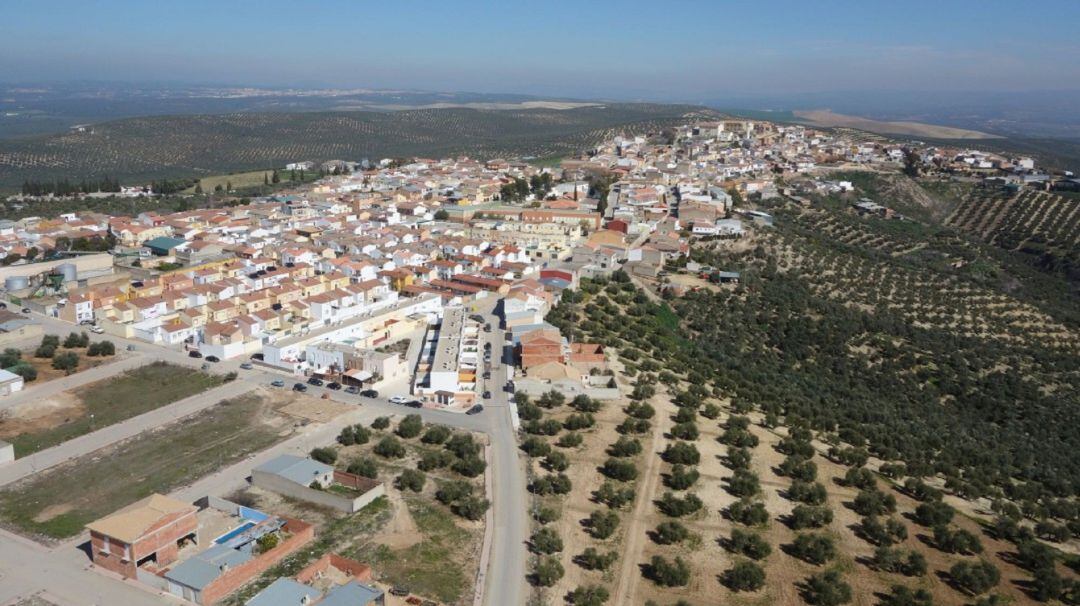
{"x": 147, "y": 531}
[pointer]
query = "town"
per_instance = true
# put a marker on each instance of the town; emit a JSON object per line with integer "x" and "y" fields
{"x": 415, "y": 289}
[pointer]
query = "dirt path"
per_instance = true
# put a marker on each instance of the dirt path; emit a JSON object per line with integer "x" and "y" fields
{"x": 635, "y": 531}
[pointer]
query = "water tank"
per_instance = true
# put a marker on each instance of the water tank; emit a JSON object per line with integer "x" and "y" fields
{"x": 16, "y": 282}
{"x": 69, "y": 271}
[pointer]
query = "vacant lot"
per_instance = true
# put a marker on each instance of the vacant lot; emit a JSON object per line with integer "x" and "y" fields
{"x": 58, "y": 503}
{"x": 39, "y": 425}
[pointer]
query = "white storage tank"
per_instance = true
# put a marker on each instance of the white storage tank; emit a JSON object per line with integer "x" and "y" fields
{"x": 69, "y": 270}
{"x": 16, "y": 282}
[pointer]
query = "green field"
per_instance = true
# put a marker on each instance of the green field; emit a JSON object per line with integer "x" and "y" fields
{"x": 156, "y": 147}
{"x": 58, "y": 503}
{"x": 118, "y": 399}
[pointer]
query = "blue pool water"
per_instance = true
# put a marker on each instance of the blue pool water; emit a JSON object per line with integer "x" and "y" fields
{"x": 234, "y": 532}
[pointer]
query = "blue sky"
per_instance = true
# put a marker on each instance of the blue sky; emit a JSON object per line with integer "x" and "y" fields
{"x": 649, "y": 49}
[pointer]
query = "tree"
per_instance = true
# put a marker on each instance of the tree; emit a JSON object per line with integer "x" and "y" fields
{"x": 670, "y": 532}
{"x": 535, "y": 447}
{"x": 441, "y": 215}
{"x": 810, "y": 493}
{"x": 325, "y": 455}
{"x": 874, "y": 503}
{"x": 546, "y": 515}
{"x": 602, "y": 524}
{"x": 546, "y": 541}
{"x": 625, "y": 447}
{"x": 433, "y": 459}
{"x": 275, "y": 178}
{"x": 744, "y": 576}
{"x": 556, "y": 461}
{"x": 591, "y": 559}
{"x": 410, "y": 426}
{"x": 583, "y": 403}
{"x": 826, "y": 589}
{"x": 365, "y": 467}
{"x": 956, "y": 540}
{"x": 267, "y": 542}
{"x": 934, "y": 513}
{"x": 975, "y": 578}
{"x": 809, "y": 516}
{"x": 569, "y": 440}
{"x": 380, "y": 423}
{"x": 682, "y": 477}
{"x": 743, "y": 483}
{"x": 748, "y": 512}
{"x": 469, "y": 466}
{"x": 471, "y": 508}
{"x": 590, "y": 595}
{"x": 880, "y": 533}
{"x": 101, "y": 348}
{"x": 10, "y": 357}
{"x": 668, "y": 573}
{"x": 619, "y": 469}
{"x": 677, "y": 507}
{"x": 25, "y": 370}
{"x": 411, "y": 479}
{"x": 615, "y": 497}
{"x": 749, "y": 544}
{"x": 681, "y": 452}
{"x": 74, "y": 340}
{"x": 389, "y": 448}
{"x": 548, "y": 571}
{"x": 813, "y": 548}
{"x": 887, "y": 559}
{"x": 902, "y": 596}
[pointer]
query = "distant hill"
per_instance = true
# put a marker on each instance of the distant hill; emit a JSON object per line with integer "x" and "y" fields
{"x": 141, "y": 149}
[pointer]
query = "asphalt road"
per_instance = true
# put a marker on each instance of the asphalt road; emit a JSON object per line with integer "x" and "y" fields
{"x": 28, "y": 568}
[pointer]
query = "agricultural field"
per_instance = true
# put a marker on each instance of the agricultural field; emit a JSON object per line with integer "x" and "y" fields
{"x": 41, "y": 424}
{"x": 778, "y": 481}
{"x": 159, "y": 461}
{"x": 1042, "y": 225}
{"x": 425, "y": 535}
{"x": 156, "y": 147}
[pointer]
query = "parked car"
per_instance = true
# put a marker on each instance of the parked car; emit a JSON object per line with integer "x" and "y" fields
{"x": 398, "y": 399}
{"x": 487, "y": 394}
{"x": 487, "y": 374}
{"x": 487, "y": 346}
{"x": 194, "y": 353}
{"x": 277, "y": 383}
{"x": 247, "y": 366}
{"x": 487, "y": 327}
{"x": 414, "y": 404}
{"x": 352, "y": 389}
{"x": 258, "y": 356}
{"x": 369, "y": 393}
{"x": 132, "y": 348}
{"x": 399, "y": 591}
{"x": 97, "y": 330}
{"x": 317, "y": 382}
{"x": 26, "y": 310}
{"x": 212, "y": 359}
{"x": 475, "y": 410}
{"x": 333, "y": 385}
{"x": 476, "y": 318}
{"x": 299, "y": 387}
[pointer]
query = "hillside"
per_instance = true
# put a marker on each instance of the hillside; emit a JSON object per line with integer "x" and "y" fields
{"x": 140, "y": 149}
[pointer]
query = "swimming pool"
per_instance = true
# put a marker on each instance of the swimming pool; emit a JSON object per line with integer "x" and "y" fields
{"x": 234, "y": 532}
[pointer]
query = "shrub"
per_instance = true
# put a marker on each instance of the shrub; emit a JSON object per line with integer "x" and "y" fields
{"x": 813, "y": 548}
{"x": 625, "y": 447}
{"x": 934, "y": 513}
{"x": 591, "y": 595}
{"x": 602, "y": 524}
{"x": 902, "y": 596}
{"x": 10, "y": 357}
{"x": 591, "y": 559}
{"x": 548, "y": 571}
{"x": 570, "y": 440}
{"x": 975, "y": 578}
{"x": 470, "y": 508}
{"x": 25, "y": 370}
{"x": 470, "y": 466}
{"x": 956, "y": 540}
{"x": 535, "y": 447}
{"x": 530, "y": 412}
{"x": 681, "y": 452}
{"x": 324, "y": 455}
{"x": 685, "y": 431}
{"x": 710, "y": 411}
{"x": 619, "y": 469}
{"x": 682, "y": 477}
{"x": 668, "y": 574}
{"x": 390, "y": 448}
{"x": 546, "y": 541}
{"x": 435, "y": 459}
{"x": 354, "y": 434}
{"x": 826, "y": 589}
{"x": 364, "y": 467}
{"x": 671, "y": 532}
{"x": 436, "y": 434}
{"x": 380, "y": 423}
{"x": 748, "y": 513}
{"x": 810, "y": 516}
{"x": 266, "y": 542}
{"x": 744, "y": 576}
{"x": 749, "y": 544}
{"x": 873, "y": 503}
{"x": 409, "y": 427}
{"x": 810, "y": 493}
{"x": 743, "y": 483}
{"x": 675, "y": 507}
{"x": 614, "y": 496}
{"x": 67, "y": 361}
{"x": 411, "y": 479}
{"x": 462, "y": 445}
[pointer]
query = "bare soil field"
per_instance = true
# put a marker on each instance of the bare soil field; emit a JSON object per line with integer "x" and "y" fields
{"x": 916, "y": 129}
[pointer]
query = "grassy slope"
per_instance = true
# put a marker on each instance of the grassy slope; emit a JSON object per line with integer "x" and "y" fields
{"x": 139, "y": 149}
